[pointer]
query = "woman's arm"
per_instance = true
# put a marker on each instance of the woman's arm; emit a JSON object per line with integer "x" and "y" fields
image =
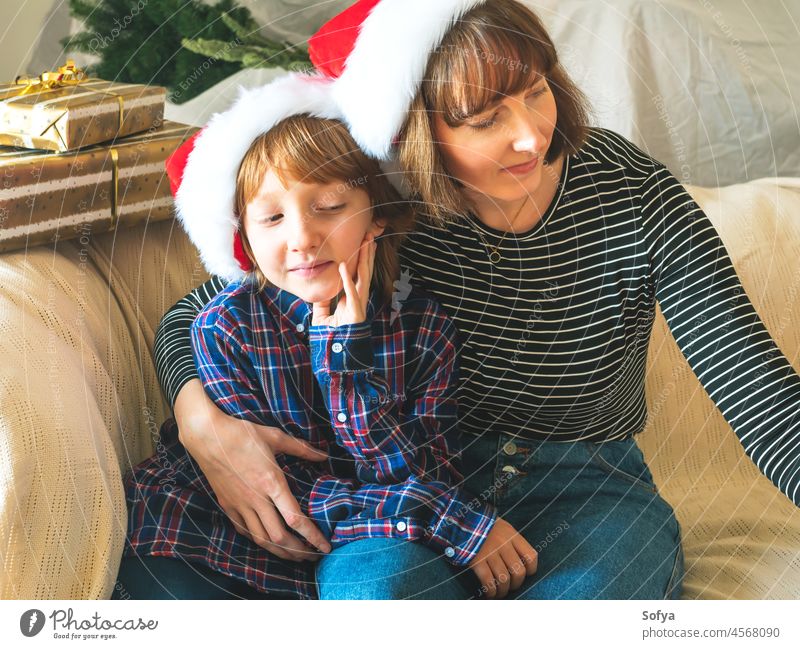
{"x": 719, "y": 332}
{"x": 173, "y": 345}
{"x": 236, "y": 456}
{"x": 405, "y": 445}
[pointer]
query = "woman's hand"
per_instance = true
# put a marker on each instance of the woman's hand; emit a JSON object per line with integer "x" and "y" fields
{"x": 504, "y": 560}
{"x": 352, "y": 306}
{"x": 238, "y": 459}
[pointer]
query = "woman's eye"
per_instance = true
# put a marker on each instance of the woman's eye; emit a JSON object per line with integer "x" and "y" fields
{"x": 538, "y": 93}
{"x": 484, "y": 124}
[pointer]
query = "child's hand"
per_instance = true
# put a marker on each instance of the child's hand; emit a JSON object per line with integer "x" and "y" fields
{"x": 504, "y": 560}
{"x": 352, "y": 306}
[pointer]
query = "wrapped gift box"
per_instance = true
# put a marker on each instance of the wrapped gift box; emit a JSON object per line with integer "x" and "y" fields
{"x": 65, "y": 110}
{"x": 49, "y": 196}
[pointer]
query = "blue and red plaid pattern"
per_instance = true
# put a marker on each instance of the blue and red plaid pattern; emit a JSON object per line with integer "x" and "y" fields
{"x": 378, "y": 397}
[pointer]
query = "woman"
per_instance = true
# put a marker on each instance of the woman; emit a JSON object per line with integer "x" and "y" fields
{"x": 548, "y": 243}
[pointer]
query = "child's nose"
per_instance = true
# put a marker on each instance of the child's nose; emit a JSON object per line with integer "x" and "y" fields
{"x": 303, "y": 235}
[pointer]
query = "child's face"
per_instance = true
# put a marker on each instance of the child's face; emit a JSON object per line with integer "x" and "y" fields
{"x": 299, "y": 234}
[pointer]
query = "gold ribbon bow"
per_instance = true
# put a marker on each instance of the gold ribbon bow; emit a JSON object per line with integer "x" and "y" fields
{"x": 66, "y": 75}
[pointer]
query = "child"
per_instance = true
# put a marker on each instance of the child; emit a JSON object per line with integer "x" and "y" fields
{"x": 305, "y": 227}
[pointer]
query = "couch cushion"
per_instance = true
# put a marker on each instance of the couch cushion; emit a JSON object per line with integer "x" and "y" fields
{"x": 80, "y": 400}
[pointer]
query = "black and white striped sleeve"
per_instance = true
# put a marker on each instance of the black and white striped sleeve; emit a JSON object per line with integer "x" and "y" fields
{"x": 719, "y": 332}
{"x": 173, "y": 345}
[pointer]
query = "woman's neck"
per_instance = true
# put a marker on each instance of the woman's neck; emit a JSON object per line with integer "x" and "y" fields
{"x": 499, "y": 214}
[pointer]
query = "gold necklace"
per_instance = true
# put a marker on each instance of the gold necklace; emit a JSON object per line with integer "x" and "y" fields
{"x": 494, "y": 254}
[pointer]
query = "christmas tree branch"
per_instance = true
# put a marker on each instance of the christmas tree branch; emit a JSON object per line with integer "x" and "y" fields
{"x": 186, "y": 45}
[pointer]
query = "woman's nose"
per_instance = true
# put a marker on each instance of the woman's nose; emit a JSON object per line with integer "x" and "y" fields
{"x": 525, "y": 144}
{"x": 527, "y": 135}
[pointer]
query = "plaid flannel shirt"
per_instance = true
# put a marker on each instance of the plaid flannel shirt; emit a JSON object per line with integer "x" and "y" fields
{"x": 378, "y": 396}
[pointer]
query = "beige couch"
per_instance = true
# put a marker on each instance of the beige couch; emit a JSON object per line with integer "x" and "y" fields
{"x": 80, "y": 402}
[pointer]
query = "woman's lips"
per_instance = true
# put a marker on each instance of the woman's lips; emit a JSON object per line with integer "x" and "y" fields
{"x": 524, "y": 168}
{"x": 308, "y": 273}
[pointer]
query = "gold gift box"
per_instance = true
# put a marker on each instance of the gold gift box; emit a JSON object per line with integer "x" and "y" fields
{"x": 49, "y": 196}
{"x": 68, "y": 117}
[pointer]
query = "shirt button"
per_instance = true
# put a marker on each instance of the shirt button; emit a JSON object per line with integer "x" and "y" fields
{"x": 401, "y": 526}
{"x": 450, "y": 552}
{"x": 510, "y": 448}
{"x": 342, "y": 417}
{"x": 336, "y": 347}
{"x": 509, "y": 470}
{"x": 300, "y": 328}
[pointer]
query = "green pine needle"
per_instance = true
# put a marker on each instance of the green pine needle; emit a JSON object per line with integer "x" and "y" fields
{"x": 186, "y": 45}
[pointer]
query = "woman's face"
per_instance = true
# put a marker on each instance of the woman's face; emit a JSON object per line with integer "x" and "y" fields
{"x": 498, "y": 154}
{"x": 299, "y": 234}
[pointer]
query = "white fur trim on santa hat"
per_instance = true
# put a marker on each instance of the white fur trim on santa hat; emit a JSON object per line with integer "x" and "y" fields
{"x": 383, "y": 73}
{"x": 205, "y": 198}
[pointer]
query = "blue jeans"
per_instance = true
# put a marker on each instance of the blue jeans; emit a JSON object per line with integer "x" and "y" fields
{"x": 591, "y": 511}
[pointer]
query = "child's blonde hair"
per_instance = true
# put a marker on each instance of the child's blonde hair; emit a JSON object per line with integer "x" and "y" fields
{"x": 313, "y": 149}
{"x": 496, "y": 49}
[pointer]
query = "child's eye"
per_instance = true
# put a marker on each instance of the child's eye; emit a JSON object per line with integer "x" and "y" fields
{"x": 331, "y": 208}
{"x": 269, "y": 220}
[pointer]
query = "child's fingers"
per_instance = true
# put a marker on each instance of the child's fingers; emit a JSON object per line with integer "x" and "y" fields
{"x": 362, "y": 274}
{"x": 527, "y": 554}
{"x": 373, "y": 251}
{"x": 501, "y": 576}
{"x": 515, "y": 566}
{"x": 485, "y": 576}
{"x": 349, "y": 287}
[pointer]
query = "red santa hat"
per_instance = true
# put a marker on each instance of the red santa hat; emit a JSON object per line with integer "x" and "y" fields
{"x": 378, "y": 50}
{"x": 203, "y": 170}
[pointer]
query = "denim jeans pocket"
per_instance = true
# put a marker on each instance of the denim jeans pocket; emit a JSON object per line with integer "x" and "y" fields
{"x": 622, "y": 459}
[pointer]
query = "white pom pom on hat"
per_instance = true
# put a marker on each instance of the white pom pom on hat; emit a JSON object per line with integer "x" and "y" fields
{"x": 378, "y": 51}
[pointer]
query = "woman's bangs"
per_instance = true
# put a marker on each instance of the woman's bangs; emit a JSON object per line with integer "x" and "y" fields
{"x": 479, "y": 65}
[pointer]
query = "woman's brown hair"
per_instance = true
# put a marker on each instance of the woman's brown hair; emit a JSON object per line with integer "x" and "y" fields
{"x": 497, "y": 49}
{"x": 317, "y": 150}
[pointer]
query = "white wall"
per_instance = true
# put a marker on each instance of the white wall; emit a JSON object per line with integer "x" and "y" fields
{"x": 20, "y": 24}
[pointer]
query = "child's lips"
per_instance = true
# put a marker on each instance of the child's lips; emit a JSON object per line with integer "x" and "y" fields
{"x": 311, "y": 271}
